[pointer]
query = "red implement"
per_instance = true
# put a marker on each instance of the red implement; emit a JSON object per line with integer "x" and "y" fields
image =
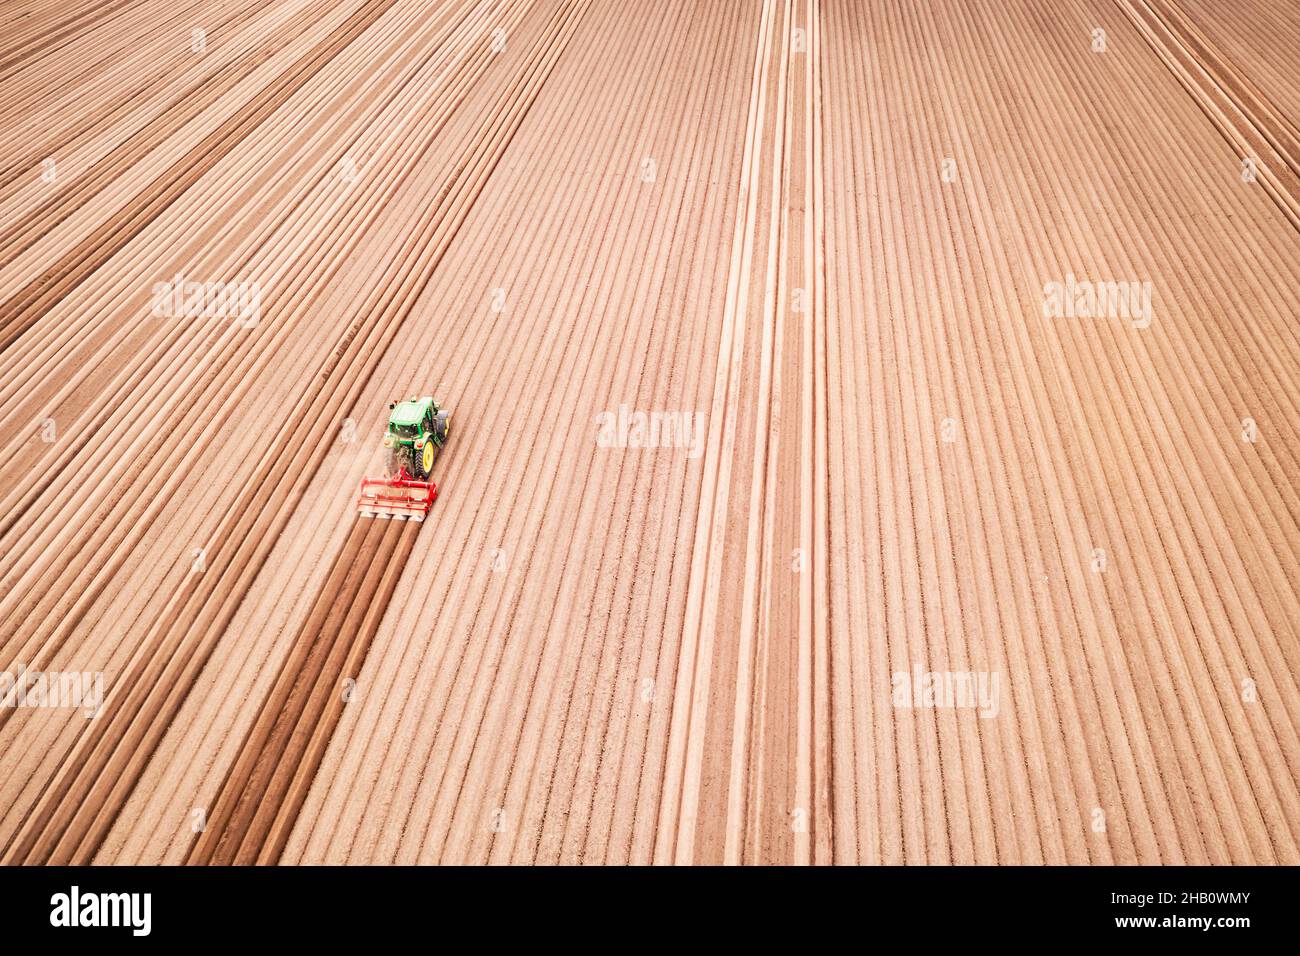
{"x": 400, "y": 497}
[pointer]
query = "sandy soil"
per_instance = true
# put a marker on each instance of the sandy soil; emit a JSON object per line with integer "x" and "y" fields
{"x": 912, "y": 569}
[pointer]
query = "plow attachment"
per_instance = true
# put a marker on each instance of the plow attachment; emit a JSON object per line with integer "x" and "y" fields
{"x": 400, "y": 497}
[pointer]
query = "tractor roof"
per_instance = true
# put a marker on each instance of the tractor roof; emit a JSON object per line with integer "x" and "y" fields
{"x": 409, "y": 413}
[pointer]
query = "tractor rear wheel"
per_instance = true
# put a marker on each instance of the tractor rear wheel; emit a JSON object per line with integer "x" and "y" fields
{"x": 424, "y": 459}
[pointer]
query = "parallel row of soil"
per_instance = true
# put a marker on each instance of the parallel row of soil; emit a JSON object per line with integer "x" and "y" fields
{"x": 920, "y": 562}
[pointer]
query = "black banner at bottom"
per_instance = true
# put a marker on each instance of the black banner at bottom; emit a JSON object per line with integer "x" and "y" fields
{"x": 141, "y": 905}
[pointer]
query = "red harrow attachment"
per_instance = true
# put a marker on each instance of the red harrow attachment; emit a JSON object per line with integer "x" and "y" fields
{"x": 401, "y": 497}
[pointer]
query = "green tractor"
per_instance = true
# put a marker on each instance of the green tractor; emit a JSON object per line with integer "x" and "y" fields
{"x": 417, "y": 430}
